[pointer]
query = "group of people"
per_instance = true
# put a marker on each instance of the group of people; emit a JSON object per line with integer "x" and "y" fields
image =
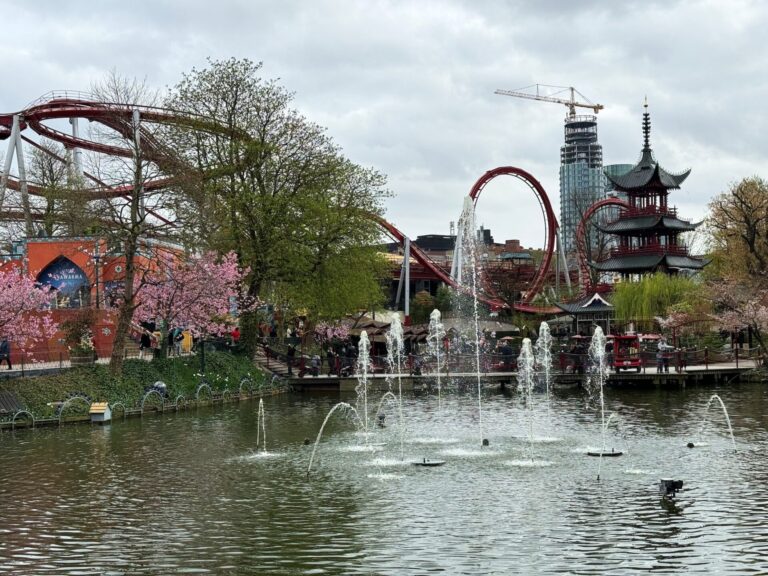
{"x": 175, "y": 339}
{"x": 339, "y": 363}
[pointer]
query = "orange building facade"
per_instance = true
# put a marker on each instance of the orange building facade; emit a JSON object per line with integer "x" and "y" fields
{"x": 83, "y": 273}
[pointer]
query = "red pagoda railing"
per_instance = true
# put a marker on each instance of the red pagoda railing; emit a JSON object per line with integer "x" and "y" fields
{"x": 658, "y": 249}
{"x": 649, "y": 211}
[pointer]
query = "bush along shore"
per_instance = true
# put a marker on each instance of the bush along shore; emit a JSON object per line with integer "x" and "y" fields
{"x": 67, "y": 395}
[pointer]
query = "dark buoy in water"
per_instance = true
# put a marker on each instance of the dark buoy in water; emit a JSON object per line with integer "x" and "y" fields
{"x": 690, "y": 445}
{"x": 428, "y": 463}
{"x": 486, "y": 442}
{"x": 668, "y": 487}
{"x": 306, "y": 441}
{"x": 380, "y": 420}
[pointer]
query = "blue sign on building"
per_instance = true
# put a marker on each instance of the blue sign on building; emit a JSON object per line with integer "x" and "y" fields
{"x": 67, "y": 278}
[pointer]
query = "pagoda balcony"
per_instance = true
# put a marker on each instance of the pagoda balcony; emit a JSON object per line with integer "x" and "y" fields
{"x": 655, "y": 250}
{"x": 649, "y": 211}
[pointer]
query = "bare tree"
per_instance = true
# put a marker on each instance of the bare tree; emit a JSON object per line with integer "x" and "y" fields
{"x": 138, "y": 222}
{"x": 60, "y": 193}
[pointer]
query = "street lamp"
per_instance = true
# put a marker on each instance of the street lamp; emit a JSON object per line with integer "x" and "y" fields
{"x": 96, "y": 255}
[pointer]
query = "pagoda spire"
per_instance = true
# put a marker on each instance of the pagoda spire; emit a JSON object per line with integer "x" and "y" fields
{"x": 646, "y": 127}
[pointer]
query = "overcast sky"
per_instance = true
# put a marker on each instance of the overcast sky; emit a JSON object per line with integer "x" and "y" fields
{"x": 408, "y": 87}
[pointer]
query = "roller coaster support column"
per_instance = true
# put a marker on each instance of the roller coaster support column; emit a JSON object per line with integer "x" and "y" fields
{"x": 138, "y": 159}
{"x": 400, "y": 284}
{"x": 14, "y": 145}
{"x": 457, "y": 256}
{"x": 77, "y": 160}
{"x": 8, "y": 159}
{"x": 561, "y": 257}
{"x": 407, "y": 264}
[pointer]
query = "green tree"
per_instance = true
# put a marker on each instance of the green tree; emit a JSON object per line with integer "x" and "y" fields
{"x": 422, "y": 305}
{"x": 444, "y": 299}
{"x": 738, "y": 226}
{"x": 272, "y": 186}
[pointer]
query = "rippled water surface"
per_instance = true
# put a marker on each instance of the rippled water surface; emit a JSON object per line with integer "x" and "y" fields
{"x": 189, "y": 493}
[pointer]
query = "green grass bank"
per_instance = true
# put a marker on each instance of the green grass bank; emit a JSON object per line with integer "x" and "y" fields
{"x": 40, "y": 395}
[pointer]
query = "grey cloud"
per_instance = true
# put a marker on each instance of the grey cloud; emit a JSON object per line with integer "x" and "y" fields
{"x": 407, "y": 87}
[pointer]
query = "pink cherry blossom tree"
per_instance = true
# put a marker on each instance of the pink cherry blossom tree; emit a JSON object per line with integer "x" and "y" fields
{"x": 25, "y": 316}
{"x": 326, "y": 332}
{"x": 196, "y": 293}
{"x": 741, "y": 306}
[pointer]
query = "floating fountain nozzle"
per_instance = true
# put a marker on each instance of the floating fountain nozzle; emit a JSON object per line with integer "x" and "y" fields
{"x": 668, "y": 487}
{"x": 690, "y": 444}
{"x": 486, "y": 442}
{"x": 380, "y": 420}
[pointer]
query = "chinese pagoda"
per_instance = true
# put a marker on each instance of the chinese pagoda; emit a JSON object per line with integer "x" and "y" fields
{"x": 648, "y": 231}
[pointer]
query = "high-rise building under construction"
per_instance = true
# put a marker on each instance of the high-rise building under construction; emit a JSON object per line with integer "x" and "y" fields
{"x": 582, "y": 181}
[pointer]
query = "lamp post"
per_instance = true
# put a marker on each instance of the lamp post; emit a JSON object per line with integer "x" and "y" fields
{"x": 96, "y": 263}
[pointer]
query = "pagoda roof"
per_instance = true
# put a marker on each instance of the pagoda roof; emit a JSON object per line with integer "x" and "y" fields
{"x": 651, "y": 222}
{"x": 647, "y": 170}
{"x": 587, "y": 304}
{"x": 637, "y": 263}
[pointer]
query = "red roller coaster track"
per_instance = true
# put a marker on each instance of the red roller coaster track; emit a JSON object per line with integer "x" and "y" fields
{"x": 551, "y": 228}
{"x": 118, "y": 117}
{"x": 581, "y": 244}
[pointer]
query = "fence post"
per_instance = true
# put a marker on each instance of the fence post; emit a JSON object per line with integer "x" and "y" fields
{"x": 23, "y": 355}
{"x": 737, "y": 355}
{"x": 706, "y": 357}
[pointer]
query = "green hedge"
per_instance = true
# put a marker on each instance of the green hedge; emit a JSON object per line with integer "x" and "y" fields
{"x": 182, "y": 376}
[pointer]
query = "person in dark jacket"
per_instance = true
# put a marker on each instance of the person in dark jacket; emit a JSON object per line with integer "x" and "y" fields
{"x": 5, "y": 352}
{"x": 289, "y": 358}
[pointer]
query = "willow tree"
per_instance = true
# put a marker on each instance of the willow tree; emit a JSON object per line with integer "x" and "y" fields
{"x": 658, "y": 296}
{"x": 272, "y": 186}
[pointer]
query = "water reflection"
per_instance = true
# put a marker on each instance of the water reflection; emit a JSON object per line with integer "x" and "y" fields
{"x": 179, "y": 494}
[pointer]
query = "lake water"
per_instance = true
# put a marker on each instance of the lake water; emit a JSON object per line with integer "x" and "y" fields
{"x": 189, "y": 493}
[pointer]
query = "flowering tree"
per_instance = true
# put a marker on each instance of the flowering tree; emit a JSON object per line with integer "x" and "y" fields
{"x": 739, "y": 306}
{"x": 24, "y": 314}
{"x": 196, "y": 293}
{"x": 326, "y": 333}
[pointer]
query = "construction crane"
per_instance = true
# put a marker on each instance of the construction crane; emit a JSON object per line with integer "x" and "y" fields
{"x": 526, "y": 92}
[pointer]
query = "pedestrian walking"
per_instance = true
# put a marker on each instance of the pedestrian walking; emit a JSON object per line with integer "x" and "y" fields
{"x": 5, "y": 352}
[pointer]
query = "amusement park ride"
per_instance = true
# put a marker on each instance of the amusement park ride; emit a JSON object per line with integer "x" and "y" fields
{"x": 130, "y": 122}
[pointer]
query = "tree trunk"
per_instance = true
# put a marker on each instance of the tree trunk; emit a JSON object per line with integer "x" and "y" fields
{"x": 125, "y": 312}
{"x": 133, "y": 233}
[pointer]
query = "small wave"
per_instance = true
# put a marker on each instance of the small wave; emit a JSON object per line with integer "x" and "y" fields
{"x": 639, "y": 471}
{"x": 386, "y": 462}
{"x": 258, "y": 456}
{"x": 385, "y": 476}
{"x": 469, "y": 452}
{"x": 546, "y": 440}
{"x": 529, "y": 463}
{"x": 359, "y": 448}
{"x": 434, "y": 440}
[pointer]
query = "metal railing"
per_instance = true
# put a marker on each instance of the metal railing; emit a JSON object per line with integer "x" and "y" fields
{"x": 563, "y": 362}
